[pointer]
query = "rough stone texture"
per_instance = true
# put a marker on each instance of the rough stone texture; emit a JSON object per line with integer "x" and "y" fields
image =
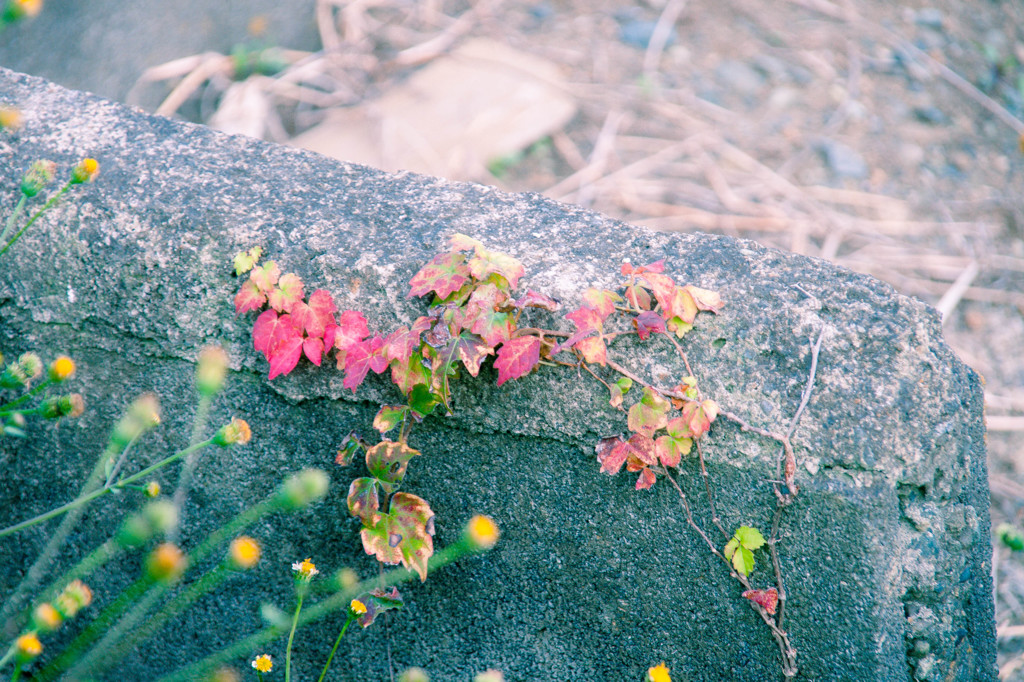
{"x": 886, "y": 551}
{"x": 103, "y": 46}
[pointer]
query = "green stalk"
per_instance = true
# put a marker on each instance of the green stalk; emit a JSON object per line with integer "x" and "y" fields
{"x": 6, "y": 408}
{"x": 83, "y": 669}
{"x": 98, "y": 557}
{"x": 78, "y": 502}
{"x": 31, "y": 220}
{"x": 185, "y": 477}
{"x": 8, "y": 656}
{"x": 14, "y": 217}
{"x": 348, "y": 621}
{"x": 320, "y": 610}
{"x": 291, "y": 635}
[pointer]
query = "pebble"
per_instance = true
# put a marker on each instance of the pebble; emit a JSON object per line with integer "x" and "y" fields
{"x": 842, "y": 160}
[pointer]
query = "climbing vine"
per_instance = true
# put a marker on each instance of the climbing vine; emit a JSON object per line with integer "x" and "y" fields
{"x": 473, "y": 314}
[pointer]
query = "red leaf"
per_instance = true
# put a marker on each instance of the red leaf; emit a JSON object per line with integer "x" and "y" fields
{"x": 351, "y": 330}
{"x": 534, "y": 300}
{"x": 601, "y": 300}
{"x": 263, "y": 330}
{"x": 766, "y": 599}
{"x": 486, "y": 262}
{"x": 469, "y": 348}
{"x": 401, "y": 343}
{"x": 285, "y": 355}
{"x": 643, "y": 448}
{"x": 361, "y": 358}
{"x": 611, "y": 454}
{"x": 517, "y": 357}
{"x": 587, "y": 319}
{"x": 265, "y": 276}
{"x": 646, "y": 479}
{"x": 663, "y": 287}
{"x": 249, "y": 298}
{"x": 317, "y": 315}
{"x": 286, "y": 294}
{"x": 593, "y": 349}
{"x": 648, "y": 323}
{"x": 444, "y": 275}
{"x": 313, "y": 348}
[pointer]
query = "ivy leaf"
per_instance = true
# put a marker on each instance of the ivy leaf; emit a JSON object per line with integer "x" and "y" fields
{"x": 643, "y": 450}
{"x": 249, "y": 297}
{"x": 389, "y": 416}
{"x": 593, "y": 349}
{"x": 493, "y": 327}
{"x": 534, "y": 300}
{"x": 409, "y": 373}
{"x": 672, "y": 450}
{"x": 377, "y": 602}
{"x": 245, "y": 260}
{"x": 287, "y": 293}
{"x": 750, "y": 538}
{"x": 444, "y": 274}
{"x": 279, "y": 341}
{"x": 347, "y": 450}
{"x": 401, "y": 343}
{"x": 656, "y": 266}
{"x": 601, "y": 300}
{"x": 485, "y": 263}
{"x": 352, "y": 329}
{"x": 403, "y": 535}
{"x": 663, "y": 288}
{"x": 285, "y": 356}
{"x": 462, "y": 242}
{"x": 387, "y": 461}
{"x": 766, "y": 599}
{"x": 646, "y": 479}
{"x": 618, "y": 390}
{"x": 316, "y": 316}
{"x": 638, "y": 297}
{"x": 470, "y": 349}
{"x": 705, "y": 299}
{"x": 313, "y": 349}
{"x": 648, "y": 323}
{"x": 266, "y": 276}
{"x": 679, "y": 327}
{"x": 422, "y": 401}
{"x": 650, "y": 414}
{"x": 360, "y": 358}
{"x": 682, "y": 307}
{"x": 740, "y": 549}
{"x": 611, "y": 454}
{"x": 697, "y": 418}
{"x": 363, "y": 500}
{"x": 517, "y": 357}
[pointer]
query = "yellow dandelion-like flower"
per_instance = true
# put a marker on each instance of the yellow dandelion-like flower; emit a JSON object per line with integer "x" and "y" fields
{"x": 62, "y": 368}
{"x": 482, "y": 532}
{"x": 28, "y": 645}
{"x": 658, "y": 673}
{"x": 85, "y": 171}
{"x": 10, "y": 118}
{"x": 263, "y": 663}
{"x": 166, "y": 563}
{"x": 152, "y": 489}
{"x": 356, "y": 607}
{"x": 29, "y": 7}
{"x": 236, "y": 431}
{"x": 244, "y": 552}
{"x": 46, "y": 618}
{"x": 306, "y": 569}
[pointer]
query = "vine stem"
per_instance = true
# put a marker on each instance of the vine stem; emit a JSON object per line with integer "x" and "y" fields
{"x": 31, "y": 220}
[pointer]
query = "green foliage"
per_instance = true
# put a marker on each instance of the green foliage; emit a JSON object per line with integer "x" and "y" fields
{"x": 740, "y": 549}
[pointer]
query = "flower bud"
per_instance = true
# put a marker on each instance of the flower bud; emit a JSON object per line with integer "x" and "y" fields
{"x": 85, "y": 171}
{"x": 210, "y": 372}
{"x": 166, "y": 563}
{"x": 19, "y": 9}
{"x": 302, "y": 489}
{"x": 61, "y": 369}
{"x": 356, "y": 608}
{"x": 244, "y": 552}
{"x": 482, "y": 532}
{"x": 71, "y": 405}
{"x": 31, "y": 364}
{"x": 73, "y": 598}
{"x": 235, "y": 432}
{"x": 346, "y": 579}
{"x": 159, "y": 516}
{"x": 414, "y": 675}
{"x": 39, "y": 175}
{"x": 152, "y": 489}
{"x": 46, "y": 618}
{"x": 143, "y": 414}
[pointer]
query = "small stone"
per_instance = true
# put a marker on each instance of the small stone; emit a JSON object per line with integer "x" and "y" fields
{"x": 843, "y": 161}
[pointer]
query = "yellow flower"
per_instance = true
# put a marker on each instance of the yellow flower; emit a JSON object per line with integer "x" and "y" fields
{"x": 28, "y": 645}
{"x": 263, "y": 663}
{"x": 46, "y": 618}
{"x": 29, "y": 7}
{"x": 166, "y": 563}
{"x": 152, "y": 489}
{"x": 10, "y": 118}
{"x": 658, "y": 673}
{"x": 306, "y": 569}
{"x": 73, "y": 598}
{"x": 244, "y": 552}
{"x": 236, "y": 431}
{"x": 85, "y": 171}
{"x": 61, "y": 368}
{"x": 482, "y": 532}
{"x": 356, "y": 607}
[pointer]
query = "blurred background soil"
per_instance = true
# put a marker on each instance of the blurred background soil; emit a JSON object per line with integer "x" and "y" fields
{"x": 885, "y": 138}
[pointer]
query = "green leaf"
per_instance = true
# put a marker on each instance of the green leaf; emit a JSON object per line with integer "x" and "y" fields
{"x": 650, "y": 414}
{"x": 387, "y": 462}
{"x": 347, "y": 450}
{"x": 422, "y": 401}
{"x": 743, "y": 561}
{"x": 363, "y": 500}
{"x": 389, "y": 417}
{"x": 244, "y": 261}
{"x": 750, "y": 538}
